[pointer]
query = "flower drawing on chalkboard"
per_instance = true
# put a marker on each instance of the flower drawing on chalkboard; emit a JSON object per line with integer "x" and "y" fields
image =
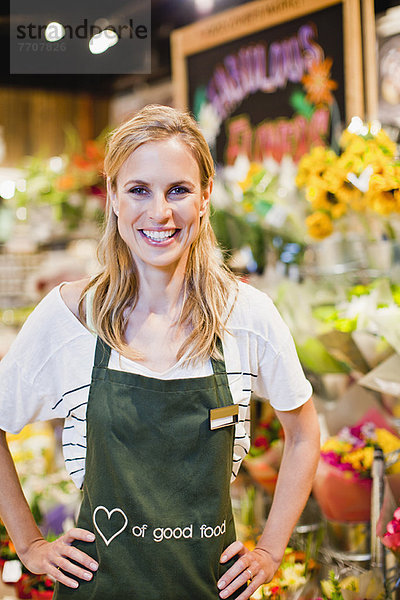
{"x": 318, "y": 84}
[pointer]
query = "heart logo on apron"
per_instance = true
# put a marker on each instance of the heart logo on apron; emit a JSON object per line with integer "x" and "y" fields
{"x": 109, "y": 514}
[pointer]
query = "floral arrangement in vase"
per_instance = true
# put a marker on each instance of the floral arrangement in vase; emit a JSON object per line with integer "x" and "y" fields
{"x": 357, "y": 190}
{"x": 342, "y": 485}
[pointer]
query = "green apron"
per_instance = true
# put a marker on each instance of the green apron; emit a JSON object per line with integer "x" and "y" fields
{"x": 157, "y": 486}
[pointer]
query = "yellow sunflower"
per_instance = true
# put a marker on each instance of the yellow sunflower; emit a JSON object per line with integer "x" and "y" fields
{"x": 319, "y": 225}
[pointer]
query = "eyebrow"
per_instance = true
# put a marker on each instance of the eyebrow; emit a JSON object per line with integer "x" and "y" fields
{"x": 141, "y": 182}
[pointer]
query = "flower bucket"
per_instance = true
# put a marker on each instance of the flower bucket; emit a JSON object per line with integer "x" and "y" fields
{"x": 341, "y": 496}
{"x": 262, "y": 472}
{"x": 350, "y": 538}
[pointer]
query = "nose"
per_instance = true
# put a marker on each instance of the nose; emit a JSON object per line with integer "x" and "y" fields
{"x": 159, "y": 208}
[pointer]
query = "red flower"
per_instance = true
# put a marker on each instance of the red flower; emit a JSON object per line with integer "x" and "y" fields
{"x": 275, "y": 589}
{"x": 261, "y": 442}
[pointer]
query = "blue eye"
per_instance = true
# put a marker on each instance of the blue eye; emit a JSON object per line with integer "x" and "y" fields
{"x": 179, "y": 190}
{"x": 138, "y": 191}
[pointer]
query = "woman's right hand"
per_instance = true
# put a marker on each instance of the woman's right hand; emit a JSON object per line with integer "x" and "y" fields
{"x": 50, "y": 557}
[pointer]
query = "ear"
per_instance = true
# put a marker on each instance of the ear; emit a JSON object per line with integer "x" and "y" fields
{"x": 113, "y": 197}
{"x": 205, "y": 202}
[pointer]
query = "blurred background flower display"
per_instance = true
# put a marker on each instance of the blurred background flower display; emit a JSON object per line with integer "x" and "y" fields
{"x": 71, "y": 184}
{"x": 355, "y": 191}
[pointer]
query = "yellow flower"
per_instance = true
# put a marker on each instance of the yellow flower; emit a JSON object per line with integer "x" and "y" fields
{"x": 334, "y": 444}
{"x": 334, "y": 178}
{"x": 254, "y": 168}
{"x": 384, "y": 140}
{"x": 350, "y": 195}
{"x": 316, "y": 193}
{"x": 382, "y": 203}
{"x": 360, "y": 459}
{"x": 319, "y": 225}
{"x": 388, "y": 442}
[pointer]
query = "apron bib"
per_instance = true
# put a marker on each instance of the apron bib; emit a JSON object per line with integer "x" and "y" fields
{"x": 157, "y": 486}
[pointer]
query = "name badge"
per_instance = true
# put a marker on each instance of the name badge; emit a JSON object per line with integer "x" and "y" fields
{"x": 223, "y": 417}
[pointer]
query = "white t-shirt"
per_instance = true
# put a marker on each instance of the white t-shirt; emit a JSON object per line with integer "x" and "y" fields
{"x": 47, "y": 372}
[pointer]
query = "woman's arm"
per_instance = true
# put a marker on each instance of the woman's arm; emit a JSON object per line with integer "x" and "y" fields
{"x": 299, "y": 462}
{"x": 38, "y": 555}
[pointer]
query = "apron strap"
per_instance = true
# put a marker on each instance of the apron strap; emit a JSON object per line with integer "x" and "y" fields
{"x": 218, "y": 365}
{"x": 102, "y": 354}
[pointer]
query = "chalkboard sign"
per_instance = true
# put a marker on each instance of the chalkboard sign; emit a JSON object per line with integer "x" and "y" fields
{"x": 271, "y": 77}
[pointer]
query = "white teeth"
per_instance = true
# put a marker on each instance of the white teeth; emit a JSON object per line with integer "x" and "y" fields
{"x": 159, "y": 235}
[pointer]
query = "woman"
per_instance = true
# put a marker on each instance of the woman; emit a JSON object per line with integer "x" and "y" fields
{"x": 152, "y": 363}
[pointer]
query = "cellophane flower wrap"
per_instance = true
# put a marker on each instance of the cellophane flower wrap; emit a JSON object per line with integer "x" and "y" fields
{"x": 342, "y": 485}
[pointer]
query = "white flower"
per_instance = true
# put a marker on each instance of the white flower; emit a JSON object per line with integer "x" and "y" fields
{"x": 209, "y": 122}
{"x": 238, "y": 171}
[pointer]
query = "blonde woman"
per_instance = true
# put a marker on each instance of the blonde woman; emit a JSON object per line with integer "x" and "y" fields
{"x": 151, "y": 363}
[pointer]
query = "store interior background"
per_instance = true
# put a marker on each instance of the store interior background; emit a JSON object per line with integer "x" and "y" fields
{"x": 35, "y": 113}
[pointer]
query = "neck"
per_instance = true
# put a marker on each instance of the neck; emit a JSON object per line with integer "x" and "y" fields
{"x": 161, "y": 290}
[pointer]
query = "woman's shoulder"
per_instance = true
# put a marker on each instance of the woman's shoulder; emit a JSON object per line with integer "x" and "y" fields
{"x": 249, "y": 301}
{"x": 255, "y": 312}
{"x": 49, "y": 335}
{"x": 70, "y": 293}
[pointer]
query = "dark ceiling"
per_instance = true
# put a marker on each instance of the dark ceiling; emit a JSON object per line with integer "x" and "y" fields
{"x": 166, "y": 15}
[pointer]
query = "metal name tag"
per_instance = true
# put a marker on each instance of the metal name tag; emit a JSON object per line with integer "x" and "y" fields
{"x": 223, "y": 417}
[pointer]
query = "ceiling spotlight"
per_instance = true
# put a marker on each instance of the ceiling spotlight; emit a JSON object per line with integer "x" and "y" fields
{"x": 103, "y": 41}
{"x": 54, "y": 32}
{"x": 204, "y": 6}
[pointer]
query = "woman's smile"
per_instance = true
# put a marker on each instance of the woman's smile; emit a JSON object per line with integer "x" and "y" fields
{"x": 160, "y": 237}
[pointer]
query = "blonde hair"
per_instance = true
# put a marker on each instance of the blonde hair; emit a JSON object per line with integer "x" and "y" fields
{"x": 207, "y": 283}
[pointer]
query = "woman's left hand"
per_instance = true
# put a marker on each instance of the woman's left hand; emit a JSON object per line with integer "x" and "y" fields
{"x": 257, "y": 565}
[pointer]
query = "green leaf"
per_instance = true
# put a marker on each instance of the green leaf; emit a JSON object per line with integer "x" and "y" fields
{"x": 301, "y": 105}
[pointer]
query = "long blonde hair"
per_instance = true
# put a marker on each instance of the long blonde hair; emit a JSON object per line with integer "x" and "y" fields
{"x": 207, "y": 283}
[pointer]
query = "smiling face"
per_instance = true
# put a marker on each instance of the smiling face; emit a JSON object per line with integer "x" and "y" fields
{"x": 159, "y": 202}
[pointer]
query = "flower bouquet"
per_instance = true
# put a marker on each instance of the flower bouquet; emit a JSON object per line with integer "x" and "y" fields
{"x": 355, "y": 190}
{"x": 289, "y": 580}
{"x": 265, "y": 454}
{"x": 342, "y": 485}
{"x": 391, "y": 537}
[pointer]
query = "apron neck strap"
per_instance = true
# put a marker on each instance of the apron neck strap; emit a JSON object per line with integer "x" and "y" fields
{"x": 218, "y": 365}
{"x": 102, "y": 354}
